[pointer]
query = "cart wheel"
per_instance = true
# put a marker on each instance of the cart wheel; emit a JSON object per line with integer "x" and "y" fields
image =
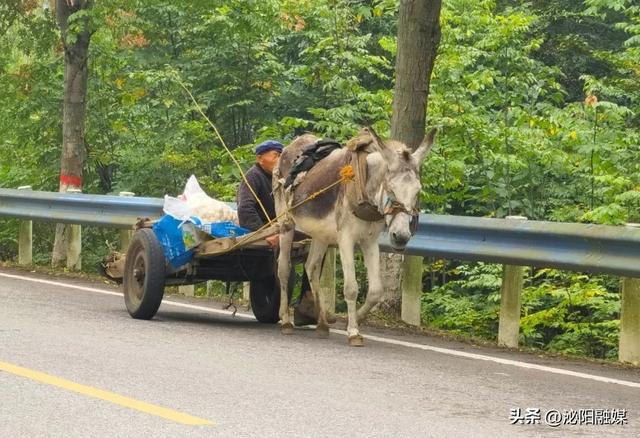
{"x": 265, "y": 298}
{"x": 144, "y": 275}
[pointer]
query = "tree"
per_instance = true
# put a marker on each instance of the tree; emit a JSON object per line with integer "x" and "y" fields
{"x": 418, "y": 39}
{"x": 574, "y": 40}
{"x": 73, "y": 20}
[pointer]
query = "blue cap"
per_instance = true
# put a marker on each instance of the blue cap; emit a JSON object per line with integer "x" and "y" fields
{"x": 269, "y": 145}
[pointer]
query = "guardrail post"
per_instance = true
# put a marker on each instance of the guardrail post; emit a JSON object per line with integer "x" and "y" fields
{"x": 209, "y": 288}
{"x": 629, "y": 342}
{"x": 512, "y": 281}
{"x": 411, "y": 310}
{"x": 328, "y": 279}
{"x": 25, "y": 239}
{"x": 188, "y": 290}
{"x": 246, "y": 291}
{"x": 74, "y": 257}
{"x": 125, "y": 235}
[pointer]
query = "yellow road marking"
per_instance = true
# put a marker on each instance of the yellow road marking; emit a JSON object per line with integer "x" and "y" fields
{"x": 138, "y": 405}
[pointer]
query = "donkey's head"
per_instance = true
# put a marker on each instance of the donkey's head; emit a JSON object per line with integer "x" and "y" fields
{"x": 401, "y": 186}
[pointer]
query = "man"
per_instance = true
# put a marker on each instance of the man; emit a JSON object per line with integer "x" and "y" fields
{"x": 252, "y": 216}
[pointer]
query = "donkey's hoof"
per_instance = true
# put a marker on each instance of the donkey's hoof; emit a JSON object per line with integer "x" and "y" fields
{"x": 322, "y": 331}
{"x": 286, "y": 328}
{"x": 356, "y": 341}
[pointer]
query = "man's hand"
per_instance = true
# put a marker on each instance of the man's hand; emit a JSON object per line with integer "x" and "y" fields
{"x": 273, "y": 241}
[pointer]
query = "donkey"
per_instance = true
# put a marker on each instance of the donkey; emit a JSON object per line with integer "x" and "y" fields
{"x": 391, "y": 190}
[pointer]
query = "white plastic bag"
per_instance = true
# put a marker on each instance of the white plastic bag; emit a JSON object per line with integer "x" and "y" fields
{"x": 205, "y": 207}
{"x": 197, "y": 203}
{"x": 176, "y": 207}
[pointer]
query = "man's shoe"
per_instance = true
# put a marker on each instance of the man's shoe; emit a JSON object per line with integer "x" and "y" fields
{"x": 300, "y": 318}
{"x": 305, "y": 312}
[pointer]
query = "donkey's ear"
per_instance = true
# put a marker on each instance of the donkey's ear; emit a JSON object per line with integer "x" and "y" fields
{"x": 386, "y": 152}
{"x": 376, "y": 138}
{"x": 424, "y": 147}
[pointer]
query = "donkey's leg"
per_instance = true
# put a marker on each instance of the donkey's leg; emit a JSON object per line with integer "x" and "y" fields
{"x": 371, "y": 254}
{"x": 346, "y": 245}
{"x": 314, "y": 268}
{"x": 284, "y": 269}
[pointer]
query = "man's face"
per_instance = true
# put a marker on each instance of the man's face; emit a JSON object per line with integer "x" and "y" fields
{"x": 268, "y": 160}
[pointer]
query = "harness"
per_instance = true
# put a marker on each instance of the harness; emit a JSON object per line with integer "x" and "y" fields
{"x": 361, "y": 206}
{"x": 359, "y": 203}
{"x": 355, "y": 192}
{"x": 392, "y": 207}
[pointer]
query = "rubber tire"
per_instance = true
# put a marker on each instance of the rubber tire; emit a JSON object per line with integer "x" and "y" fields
{"x": 265, "y": 298}
{"x": 143, "y": 297}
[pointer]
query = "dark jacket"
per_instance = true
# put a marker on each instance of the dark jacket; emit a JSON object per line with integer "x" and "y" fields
{"x": 250, "y": 215}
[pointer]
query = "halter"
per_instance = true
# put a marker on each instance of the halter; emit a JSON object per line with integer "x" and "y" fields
{"x": 391, "y": 207}
{"x": 368, "y": 209}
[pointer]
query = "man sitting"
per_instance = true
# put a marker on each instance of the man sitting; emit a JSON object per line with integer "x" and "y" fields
{"x": 252, "y": 216}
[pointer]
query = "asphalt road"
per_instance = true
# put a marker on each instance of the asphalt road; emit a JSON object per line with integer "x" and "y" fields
{"x": 72, "y": 360}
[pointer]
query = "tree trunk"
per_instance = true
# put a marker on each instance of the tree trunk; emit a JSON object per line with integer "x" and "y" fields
{"x": 418, "y": 39}
{"x": 76, "y": 52}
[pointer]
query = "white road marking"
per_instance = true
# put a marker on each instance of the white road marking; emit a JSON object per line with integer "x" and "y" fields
{"x": 413, "y": 345}
{"x": 119, "y": 294}
{"x": 499, "y": 360}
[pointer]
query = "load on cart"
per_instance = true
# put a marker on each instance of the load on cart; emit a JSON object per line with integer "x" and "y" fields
{"x": 198, "y": 239}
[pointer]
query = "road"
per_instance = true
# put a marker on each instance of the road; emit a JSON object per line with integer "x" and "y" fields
{"x": 74, "y": 364}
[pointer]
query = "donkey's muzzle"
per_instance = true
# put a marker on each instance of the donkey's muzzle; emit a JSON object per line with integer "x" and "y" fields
{"x": 399, "y": 240}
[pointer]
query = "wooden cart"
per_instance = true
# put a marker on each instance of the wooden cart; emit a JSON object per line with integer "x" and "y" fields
{"x": 145, "y": 272}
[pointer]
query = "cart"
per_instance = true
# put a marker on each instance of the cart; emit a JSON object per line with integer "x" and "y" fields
{"x": 144, "y": 270}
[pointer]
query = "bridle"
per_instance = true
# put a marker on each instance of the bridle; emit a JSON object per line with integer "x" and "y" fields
{"x": 391, "y": 207}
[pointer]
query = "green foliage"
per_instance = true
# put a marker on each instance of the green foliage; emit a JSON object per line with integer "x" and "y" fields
{"x": 569, "y": 313}
{"x": 9, "y": 239}
{"x": 467, "y": 305}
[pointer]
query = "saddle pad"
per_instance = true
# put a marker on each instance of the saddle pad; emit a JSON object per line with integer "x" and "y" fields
{"x": 310, "y": 156}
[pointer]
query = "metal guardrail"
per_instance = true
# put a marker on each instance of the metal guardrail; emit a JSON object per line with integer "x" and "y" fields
{"x": 581, "y": 247}
{"x": 78, "y": 208}
{"x": 577, "y": 247}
